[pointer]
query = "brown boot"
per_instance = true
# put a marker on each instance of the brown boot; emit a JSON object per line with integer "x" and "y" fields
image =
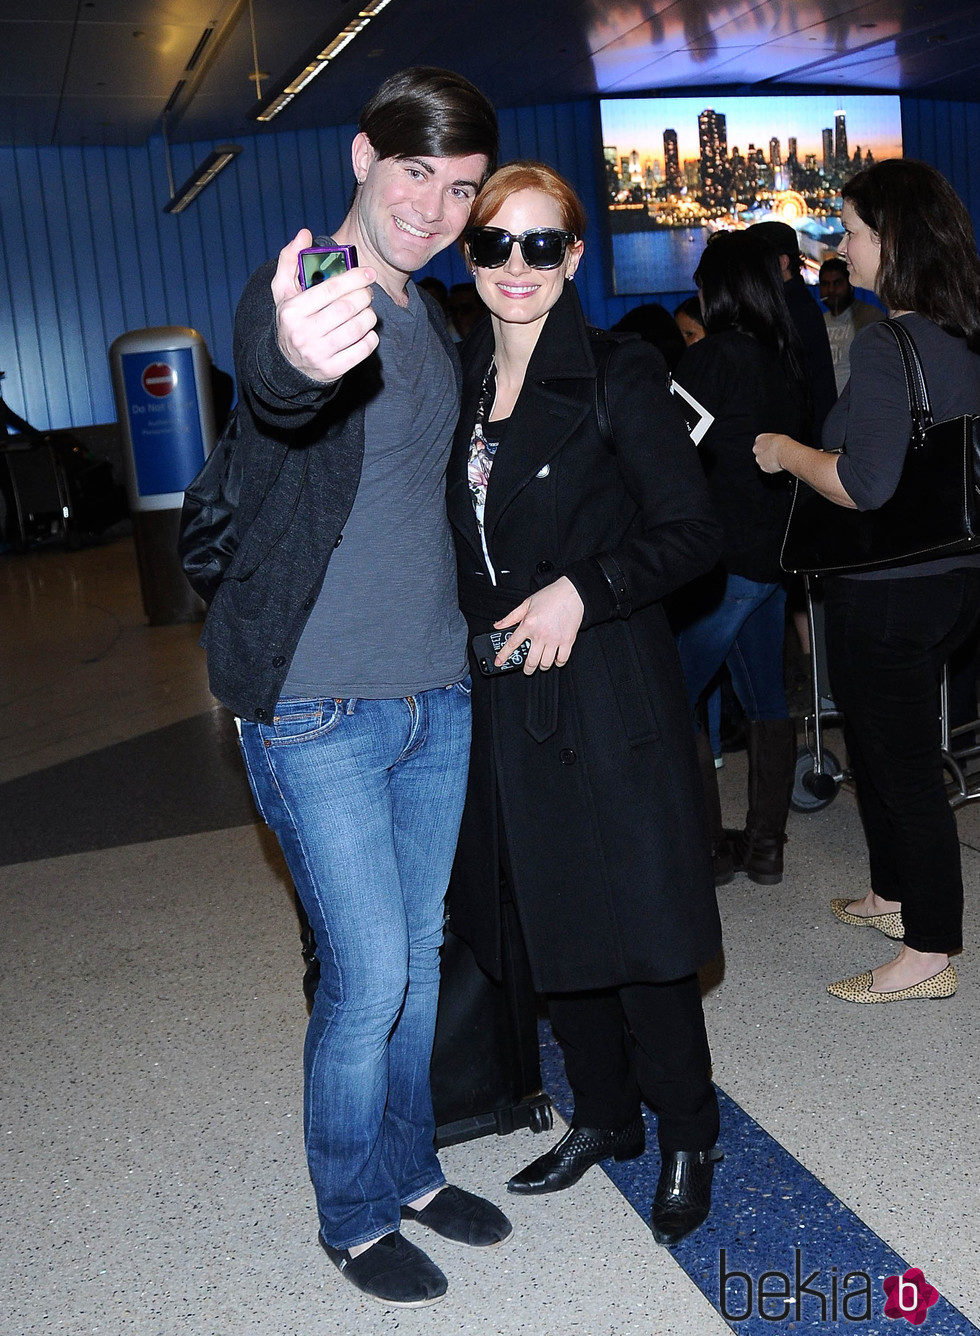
{"x": 758, "y": 850}
{"x": 721, "y": 854}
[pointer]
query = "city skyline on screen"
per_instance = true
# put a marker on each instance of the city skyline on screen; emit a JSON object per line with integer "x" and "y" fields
{"x": 874, "y": 121}
{"x": 679, "y": 168}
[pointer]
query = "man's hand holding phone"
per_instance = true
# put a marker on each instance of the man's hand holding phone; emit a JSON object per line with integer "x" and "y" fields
{"x": 326, "y": 329}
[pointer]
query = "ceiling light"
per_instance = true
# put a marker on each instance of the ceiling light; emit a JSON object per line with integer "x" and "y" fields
{"x": 326, "y": 49}
{"x": 215, "y": 162}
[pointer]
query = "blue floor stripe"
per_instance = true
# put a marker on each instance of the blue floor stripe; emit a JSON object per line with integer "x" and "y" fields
{"x": 770, "y": 1215}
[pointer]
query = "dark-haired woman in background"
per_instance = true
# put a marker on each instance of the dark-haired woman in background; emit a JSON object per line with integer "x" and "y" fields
{"x": 655, "y": 325}
{"x": 690, "y": 320}
{"x": 582, "y": 804}
{"x": 747, "y": 372}
{"x": 909, "y": 238}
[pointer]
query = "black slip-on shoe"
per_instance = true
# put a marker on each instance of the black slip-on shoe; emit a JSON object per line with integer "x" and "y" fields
{"x": 393, "y": 1271}
{"x": 463, "y": 1217}
{"x": 683, "y": 1197}
{"x": 578, "y": 1150}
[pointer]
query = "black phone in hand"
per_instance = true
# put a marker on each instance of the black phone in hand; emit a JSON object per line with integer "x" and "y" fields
{"x": 486, "y": 648}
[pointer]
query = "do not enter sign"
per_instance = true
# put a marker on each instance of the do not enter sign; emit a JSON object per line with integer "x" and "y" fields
{"x": 159, "y": 379}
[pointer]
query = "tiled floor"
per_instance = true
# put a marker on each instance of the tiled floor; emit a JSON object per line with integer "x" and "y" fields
{"x": 153, "y": 1179}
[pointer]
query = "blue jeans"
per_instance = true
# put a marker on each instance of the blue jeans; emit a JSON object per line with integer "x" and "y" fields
{"x": 366, "y": 798}
{"x": 743, "y": 624}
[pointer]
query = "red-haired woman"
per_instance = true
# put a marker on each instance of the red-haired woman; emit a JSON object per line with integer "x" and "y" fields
{"x": 584, "y": 806}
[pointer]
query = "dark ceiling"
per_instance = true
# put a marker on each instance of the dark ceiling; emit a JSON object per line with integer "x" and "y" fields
{"x": 102, "y": 71}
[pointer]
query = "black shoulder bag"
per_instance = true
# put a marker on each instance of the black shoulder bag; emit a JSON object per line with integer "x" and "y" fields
{"x": 208, "y": 529}
{"x": 934, "y": 511}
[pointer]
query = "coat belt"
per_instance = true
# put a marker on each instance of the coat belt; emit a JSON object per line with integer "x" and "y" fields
{"x": 483, "y": 607}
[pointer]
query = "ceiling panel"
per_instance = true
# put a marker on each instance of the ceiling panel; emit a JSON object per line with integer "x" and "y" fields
{"x": 28, "y": 11}
{"x": 33, "y": 57}
{"x": 148, "y": 65}
{"x": 689, "y": 65}
{"x": 114, "y": 85}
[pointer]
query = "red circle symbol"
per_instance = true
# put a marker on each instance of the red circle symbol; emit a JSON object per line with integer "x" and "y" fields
{"x": 159, "y": 379}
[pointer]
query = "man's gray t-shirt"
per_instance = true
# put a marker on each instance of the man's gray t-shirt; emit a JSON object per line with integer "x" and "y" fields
{"x": 387, "y": 622}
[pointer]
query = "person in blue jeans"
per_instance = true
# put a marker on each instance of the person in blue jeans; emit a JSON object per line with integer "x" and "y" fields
{"x": 336, "y": 638}
{"x": 747, "y": 370}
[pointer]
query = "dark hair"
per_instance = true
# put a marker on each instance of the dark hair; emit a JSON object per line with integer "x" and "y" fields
{"x": 835, "y": 263}
{"x": 690, "y": 307}
{"x": 655, "y": 325}
{"x": 527, "y": 175}
{"x": 929, "y": 260}
{"x": 435, "y": 288}
{"x": 781, "y": 238}
{"x": 428, "y": 112}
{"x": 742, "y": 288}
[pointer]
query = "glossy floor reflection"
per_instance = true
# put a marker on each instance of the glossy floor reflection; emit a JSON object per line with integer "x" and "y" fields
{"x": 153, "y": 1178}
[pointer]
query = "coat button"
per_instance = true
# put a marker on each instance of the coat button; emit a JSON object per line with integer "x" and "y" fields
{"x": 340, "y": 539}
{"x": 278, "y": 661}
{"x": 543, "y": 567}
{"x": 261, "y": 714}
{"x": 567, "y": 756}
{"x": 543, "y": 473}
{"x": 308, "y": 604}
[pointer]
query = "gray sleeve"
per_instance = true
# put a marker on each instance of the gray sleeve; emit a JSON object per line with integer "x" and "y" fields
{"x": 878, "y": 422}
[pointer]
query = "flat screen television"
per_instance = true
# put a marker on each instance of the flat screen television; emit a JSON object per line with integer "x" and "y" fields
{"x": 678, "y": 168}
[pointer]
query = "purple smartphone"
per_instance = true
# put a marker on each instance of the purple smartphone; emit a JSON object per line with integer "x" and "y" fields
{"x": 320, "y": 262}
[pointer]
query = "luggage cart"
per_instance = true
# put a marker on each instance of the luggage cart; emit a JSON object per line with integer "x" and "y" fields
{"x": 819, "y": 774}
{"x": 964, "y": 776}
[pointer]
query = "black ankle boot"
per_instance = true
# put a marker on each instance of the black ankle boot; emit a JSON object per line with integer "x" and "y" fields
{"x": 578, "y": 1150}
{"x": 683, "y": 1197}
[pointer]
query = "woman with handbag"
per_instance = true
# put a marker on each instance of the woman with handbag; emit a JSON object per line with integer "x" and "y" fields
{"x": 578, "y": 504}
{"x": 889, "y": 631}
{"x": 748, "y": 373}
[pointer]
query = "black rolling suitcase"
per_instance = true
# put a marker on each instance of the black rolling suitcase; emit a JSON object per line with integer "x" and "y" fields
{"x": 486, "y": 1069}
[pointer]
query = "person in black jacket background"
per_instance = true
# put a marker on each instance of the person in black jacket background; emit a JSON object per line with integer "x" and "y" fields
{"x": 583, "y": 795}
{"x": 807, "y": 318}
{"x": 746, "y": 371}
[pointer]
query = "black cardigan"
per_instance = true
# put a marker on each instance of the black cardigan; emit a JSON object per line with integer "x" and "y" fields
{"x": 303, "y": 447}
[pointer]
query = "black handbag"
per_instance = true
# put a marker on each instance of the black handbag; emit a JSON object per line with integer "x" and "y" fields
{"x": 934, "y": 511}
{"x": 208, "y": 534}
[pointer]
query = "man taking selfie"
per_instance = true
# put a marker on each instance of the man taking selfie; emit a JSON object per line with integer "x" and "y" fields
{"x": 336, "y": 638}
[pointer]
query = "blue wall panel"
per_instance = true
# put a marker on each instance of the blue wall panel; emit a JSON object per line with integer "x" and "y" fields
{"x": 86, "y": 252}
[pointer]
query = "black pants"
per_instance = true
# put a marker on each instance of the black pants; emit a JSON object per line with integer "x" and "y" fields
{"x": 642, "y": 1041}
{"x": 887, "y": 641}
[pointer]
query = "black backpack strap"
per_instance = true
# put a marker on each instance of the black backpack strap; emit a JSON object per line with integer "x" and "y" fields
{"x": 602, "y": 350}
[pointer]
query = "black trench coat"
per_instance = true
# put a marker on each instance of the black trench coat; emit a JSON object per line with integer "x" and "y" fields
{"x": 592, "y": 765}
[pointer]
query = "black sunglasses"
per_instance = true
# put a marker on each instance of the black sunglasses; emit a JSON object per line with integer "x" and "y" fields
{"x": 542, "y": 247}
